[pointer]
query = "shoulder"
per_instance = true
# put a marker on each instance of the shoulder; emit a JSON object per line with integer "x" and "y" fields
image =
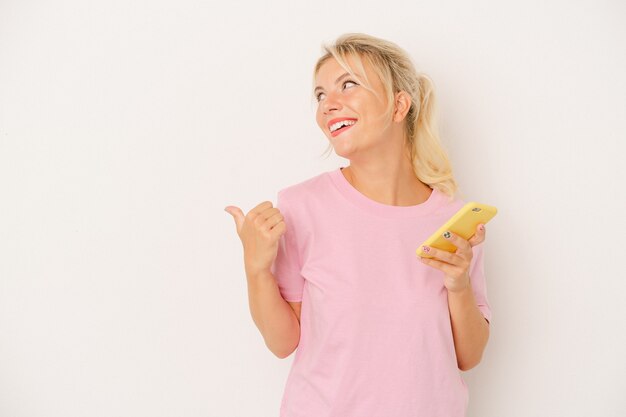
{"x": 300, "y": 192}
{"x": 450, "y": 204}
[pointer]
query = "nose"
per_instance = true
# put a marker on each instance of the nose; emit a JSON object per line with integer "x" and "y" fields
{"x": 330, "y": 103}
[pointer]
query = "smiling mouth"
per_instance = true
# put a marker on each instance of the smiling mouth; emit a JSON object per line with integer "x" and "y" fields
{"x": 341, "y": 129}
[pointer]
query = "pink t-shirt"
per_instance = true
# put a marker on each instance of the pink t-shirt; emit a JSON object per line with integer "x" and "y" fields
{"x": 376, "y": 338}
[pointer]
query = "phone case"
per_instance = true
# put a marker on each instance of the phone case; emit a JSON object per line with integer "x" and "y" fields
{"x": 462, "y": 223}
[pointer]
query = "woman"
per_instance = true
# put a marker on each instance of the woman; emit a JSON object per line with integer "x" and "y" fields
{"x": 332, "y": 269}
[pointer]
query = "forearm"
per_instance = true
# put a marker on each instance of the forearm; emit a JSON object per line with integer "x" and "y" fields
{"x": 469, "y": 328}
{"x": 272, "y": 315}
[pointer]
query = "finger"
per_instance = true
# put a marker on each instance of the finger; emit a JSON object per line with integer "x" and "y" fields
{"x": 278, "y": 229}
{"x": 274, "y": 218}
{"x": 449, "y": 269}
{"x": 443, "y": 255}
{"x": 266, "y": 219}
{"x": 479, "y": 236}
{"x": 259, "y": 208}
{"x": 237, "y": 215}
{"x": 463, "y": 247}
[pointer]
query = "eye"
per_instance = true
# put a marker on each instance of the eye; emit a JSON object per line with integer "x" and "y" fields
{"x": 344, "y": 84}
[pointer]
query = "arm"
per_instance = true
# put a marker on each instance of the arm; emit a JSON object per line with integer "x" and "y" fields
{"x": 469, "y": 328}
{"x": 274, "y": 317}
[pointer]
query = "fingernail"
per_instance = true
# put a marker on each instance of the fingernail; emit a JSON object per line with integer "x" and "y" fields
{"x": 481, "y": 227}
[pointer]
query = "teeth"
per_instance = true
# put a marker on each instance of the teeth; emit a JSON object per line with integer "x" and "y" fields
{"x": 342, "y": 123}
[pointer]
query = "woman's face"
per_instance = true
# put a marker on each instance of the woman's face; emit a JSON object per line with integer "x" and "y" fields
{"x": 340, "y": 97}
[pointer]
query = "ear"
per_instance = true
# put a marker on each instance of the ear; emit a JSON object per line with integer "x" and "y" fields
{"x": 402, "y": 105}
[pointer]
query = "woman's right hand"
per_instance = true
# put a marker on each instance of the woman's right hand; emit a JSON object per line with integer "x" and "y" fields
{"x": 260, "y": 231}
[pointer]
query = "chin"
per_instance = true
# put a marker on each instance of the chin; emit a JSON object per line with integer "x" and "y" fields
{"x": 343, "y": 151}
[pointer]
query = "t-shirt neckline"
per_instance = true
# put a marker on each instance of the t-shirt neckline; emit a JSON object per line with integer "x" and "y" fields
{"x": 380, "y": 209}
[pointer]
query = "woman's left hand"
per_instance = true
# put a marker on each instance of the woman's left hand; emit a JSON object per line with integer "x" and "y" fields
{"x": 455, "y": 265}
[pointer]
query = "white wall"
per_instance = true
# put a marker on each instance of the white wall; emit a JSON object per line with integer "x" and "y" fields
{"x": 126, "y": 128}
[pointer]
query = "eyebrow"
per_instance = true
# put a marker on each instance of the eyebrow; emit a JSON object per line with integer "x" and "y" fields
{"x": 336, "y": 81}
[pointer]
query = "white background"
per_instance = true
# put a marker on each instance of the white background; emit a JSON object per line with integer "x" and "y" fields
{"x": 127, "y": 127}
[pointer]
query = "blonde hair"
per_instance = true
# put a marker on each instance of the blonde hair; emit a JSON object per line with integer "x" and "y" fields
{"x": 397, "y": 73}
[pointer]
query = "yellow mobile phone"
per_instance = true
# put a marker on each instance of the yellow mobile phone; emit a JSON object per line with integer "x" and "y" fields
{"x": 463, "y": 223}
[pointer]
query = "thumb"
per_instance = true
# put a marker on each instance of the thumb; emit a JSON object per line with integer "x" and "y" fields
{"x": 237, "y": 215}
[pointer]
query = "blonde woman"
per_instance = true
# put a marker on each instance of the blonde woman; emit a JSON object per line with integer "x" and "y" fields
{"x": 332, "y": 271}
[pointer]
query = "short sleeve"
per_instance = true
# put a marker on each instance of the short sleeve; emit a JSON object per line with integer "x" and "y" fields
{"x": 478, "y": 280}
{"x": 286, "y": 267}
